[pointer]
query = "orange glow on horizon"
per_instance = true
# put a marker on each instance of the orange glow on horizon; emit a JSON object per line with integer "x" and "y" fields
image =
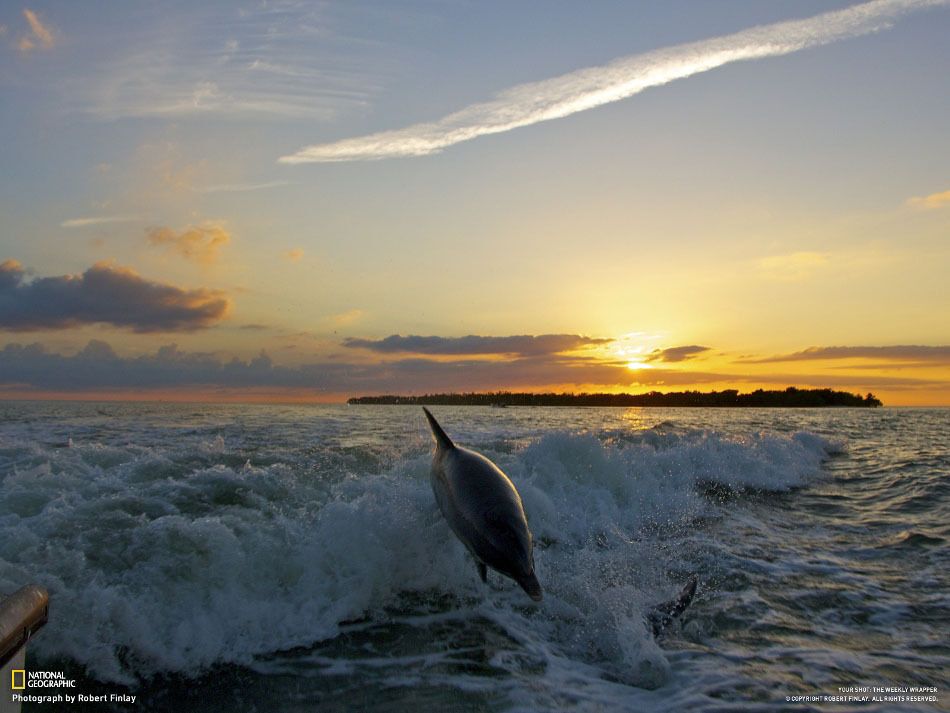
{"x": 891, "y": 398}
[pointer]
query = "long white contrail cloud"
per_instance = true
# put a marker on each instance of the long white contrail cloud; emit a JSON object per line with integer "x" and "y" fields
{"x": 588, "y": 88}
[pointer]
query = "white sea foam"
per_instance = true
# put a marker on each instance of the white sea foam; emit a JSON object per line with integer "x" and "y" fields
{"x": 172, "y": 557}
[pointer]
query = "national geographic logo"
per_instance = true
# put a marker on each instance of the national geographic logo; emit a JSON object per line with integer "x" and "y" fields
{"x": 50, "y": 685}
{"x": 21, "y": 679}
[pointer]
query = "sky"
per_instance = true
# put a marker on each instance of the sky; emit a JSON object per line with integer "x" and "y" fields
{"x": 306, "y": 201}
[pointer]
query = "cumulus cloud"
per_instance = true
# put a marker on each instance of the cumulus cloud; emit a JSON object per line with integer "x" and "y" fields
{"x": 198, "y": 243}
{"x": 674, "y": 354}
{"x": 899, "y": 353}
{"x": 931, "y": 202}
{"x": 107, "y": 294}
{"x": 524, "y": 345}
{"x": 584, "y": 89}
{"x": 39, "y": 37}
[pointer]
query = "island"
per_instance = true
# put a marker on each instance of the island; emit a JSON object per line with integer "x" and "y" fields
{"x": 791, "y": 397}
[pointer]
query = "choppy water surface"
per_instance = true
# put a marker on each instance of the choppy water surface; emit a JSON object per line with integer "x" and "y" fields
{"x": 292, "y": 558}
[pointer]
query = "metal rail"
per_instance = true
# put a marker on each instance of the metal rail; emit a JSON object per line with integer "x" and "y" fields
{"x": 21, "y": 615}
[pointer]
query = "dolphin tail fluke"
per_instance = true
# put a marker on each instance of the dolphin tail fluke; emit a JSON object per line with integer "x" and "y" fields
{"x": 440, "y": 436}
{"x": 664, "y": 614}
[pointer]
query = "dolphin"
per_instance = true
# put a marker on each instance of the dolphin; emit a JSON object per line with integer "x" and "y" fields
{"x": 662, "y": 615}
{"x": 484, "y": 510}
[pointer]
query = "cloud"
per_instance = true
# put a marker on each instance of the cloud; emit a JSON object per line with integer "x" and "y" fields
{"x": 914, "y": 353}
{"x": 241, "y": 187}
{"x": 585, "y": 89}
{"x": 42, "y": 33}
{"x": 523, "y": 345}
{"x": 675, "y": 354}
{"x": 792, "y": 267}
{"x": 198, "y": 243}
{"x": 294, "y": 255}
{"x": 104, "y": 294}
{"x": 931, "y": 202}
{"x": 283, "y": 60}
{"x": 40, "y": 36}
{"x": 98, "y": 220}
{"x": 345, "y": 318}
{"x": 99, "y": 367}
{"x": 669, "y": 379}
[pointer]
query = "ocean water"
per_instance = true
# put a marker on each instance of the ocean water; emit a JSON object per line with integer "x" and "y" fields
{"x": 276, "y": 558}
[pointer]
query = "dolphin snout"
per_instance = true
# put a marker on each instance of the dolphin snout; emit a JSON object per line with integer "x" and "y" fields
{"x": 530, "y": 584}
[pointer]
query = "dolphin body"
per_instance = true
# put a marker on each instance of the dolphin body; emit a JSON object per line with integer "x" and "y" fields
{"x": 484, "y": 510}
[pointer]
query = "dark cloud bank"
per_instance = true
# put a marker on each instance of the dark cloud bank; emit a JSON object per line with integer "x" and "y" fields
{"x": 98, "y": 367}
{"x": 523, "y": 345}
{"x": 104, "y": 294}
{"x": 674, "y": 354}
{"x": 906, "y": 352}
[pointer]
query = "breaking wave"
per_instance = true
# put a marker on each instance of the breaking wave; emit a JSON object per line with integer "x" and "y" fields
{"x": 172, "y": 555}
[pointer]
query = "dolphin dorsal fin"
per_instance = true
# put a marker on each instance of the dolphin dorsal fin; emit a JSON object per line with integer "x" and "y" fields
{"x": 664, "y": 614}
{"x": 441, "y": 438}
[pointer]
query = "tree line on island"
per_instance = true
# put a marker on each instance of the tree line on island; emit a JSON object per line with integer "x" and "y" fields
{"x": 790, "y": 397}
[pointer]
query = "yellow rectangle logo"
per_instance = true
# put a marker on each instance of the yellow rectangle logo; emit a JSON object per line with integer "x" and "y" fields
{"x": 17, "y": 673}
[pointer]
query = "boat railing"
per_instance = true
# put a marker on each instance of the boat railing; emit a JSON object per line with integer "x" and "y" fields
{"x": 22, "y": 614}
